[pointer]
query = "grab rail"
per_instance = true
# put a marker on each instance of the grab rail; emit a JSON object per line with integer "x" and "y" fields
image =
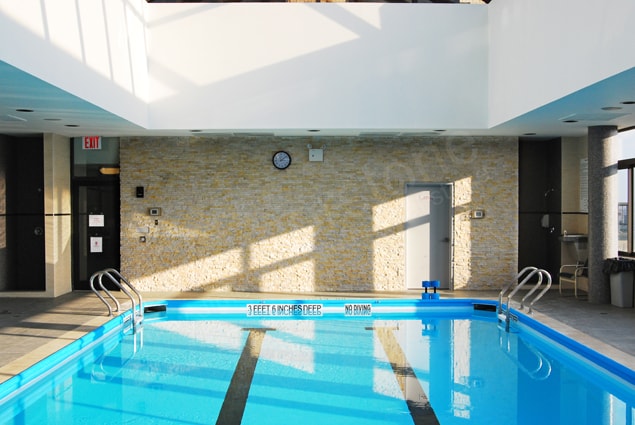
{"x": 137, "y": 316}
{"x": 510, "y": 290}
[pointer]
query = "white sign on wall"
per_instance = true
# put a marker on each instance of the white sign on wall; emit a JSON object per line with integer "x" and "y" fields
{"x": 95, "y": 220}
{"x": 96, "y": 244}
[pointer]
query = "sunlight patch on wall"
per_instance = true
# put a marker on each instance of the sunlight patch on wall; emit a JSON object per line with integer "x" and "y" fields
{"x": 29, "y": 15}
{"x": 462, "y": 232}
{"x": 108, "y": 38}
{"x": 388, "y": 214}
{"x": 226, "y": 264}
{"x": 299, "y": 277}
{"x": 212, "y": 33}
{"x": 198, "y": 273}
{"x": 463, "y": 192}
{"x": 281, "y": 248}
{"x": 388, "y": 260}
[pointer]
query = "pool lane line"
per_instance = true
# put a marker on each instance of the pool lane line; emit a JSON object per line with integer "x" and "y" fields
{"x": 233, "y": 407}
{"x": 419, "y": 406}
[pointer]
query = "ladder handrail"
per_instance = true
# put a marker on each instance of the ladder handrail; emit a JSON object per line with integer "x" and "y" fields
{"x": 103, "y": 288}
{"x": 108, "y": 272}
{"x": 137, "y": 316}
{"x": 540, "y": 294}
{"x": 530, "y": 271}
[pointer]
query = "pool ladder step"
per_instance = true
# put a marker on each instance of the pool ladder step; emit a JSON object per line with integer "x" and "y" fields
{"x": 504, "y": 313}
{"x": 126, "y": 287}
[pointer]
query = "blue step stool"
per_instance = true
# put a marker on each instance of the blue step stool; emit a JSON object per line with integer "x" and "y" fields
{"x": 427, "y": 284}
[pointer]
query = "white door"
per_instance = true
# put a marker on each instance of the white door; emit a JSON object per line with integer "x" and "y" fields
{"x": 428, "y": 233}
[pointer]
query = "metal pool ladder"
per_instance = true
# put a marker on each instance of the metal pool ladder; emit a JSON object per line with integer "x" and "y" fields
{"x": 512, "y": 288}
{"x": 123, "y": 284}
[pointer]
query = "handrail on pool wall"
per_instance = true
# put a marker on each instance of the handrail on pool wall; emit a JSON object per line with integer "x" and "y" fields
{"x": 137, "y": 316}
{"x": 511, "y": 290}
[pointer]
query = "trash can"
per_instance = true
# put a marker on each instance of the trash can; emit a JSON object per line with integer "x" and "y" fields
{"x": 622, "y": 273}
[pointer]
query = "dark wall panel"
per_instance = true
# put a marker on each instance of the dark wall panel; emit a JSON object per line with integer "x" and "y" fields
{"x": 540, "y": 197}
{"x": 22, "y": 256}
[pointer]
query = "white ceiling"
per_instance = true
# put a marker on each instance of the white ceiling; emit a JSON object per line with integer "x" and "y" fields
{"x": 56, "y": 111}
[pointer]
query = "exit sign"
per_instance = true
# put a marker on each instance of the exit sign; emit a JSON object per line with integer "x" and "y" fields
{"x": 92, "y": 143}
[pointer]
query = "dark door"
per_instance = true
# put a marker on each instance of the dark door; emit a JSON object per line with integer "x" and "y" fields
{"x": 22, "y": 244}
{"x": 95, "y": 229}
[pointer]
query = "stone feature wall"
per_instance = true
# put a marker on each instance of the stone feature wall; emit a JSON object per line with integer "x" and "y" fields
{"x": 231, "y": 221}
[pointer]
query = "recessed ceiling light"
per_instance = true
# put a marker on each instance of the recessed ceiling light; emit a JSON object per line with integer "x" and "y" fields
{"x": 570, "y": 121}
{"x": 195, "y": 131}
{"x": 440, "y": 131}
{"x": 52, "y": 119}
{"x": 529, "y": 134}
{"x": 313, "y": 131}
{"x": 611, "y": 108}
{"x": 71, "y": 125}
{"x": 628, "y": 102}
{"x": 24, "y": 110}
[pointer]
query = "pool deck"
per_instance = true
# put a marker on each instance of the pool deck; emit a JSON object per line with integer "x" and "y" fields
{"x": 33, "y": 328}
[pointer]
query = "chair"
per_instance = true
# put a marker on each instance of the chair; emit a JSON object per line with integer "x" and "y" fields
{"x": 573, "y": 274}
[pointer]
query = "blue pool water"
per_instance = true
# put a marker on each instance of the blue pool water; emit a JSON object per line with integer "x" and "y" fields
{"x": 325, "y": 362}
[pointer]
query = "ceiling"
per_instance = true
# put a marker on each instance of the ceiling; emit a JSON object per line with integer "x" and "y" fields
{"x": 30, "y": 106}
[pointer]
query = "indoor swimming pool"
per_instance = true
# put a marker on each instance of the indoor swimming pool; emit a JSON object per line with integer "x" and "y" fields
{"x": 322, "y": 362}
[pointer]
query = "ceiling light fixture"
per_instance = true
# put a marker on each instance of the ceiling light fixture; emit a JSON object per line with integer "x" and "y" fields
{"x": 570, "y": 121}
{"x": 24, "y": 110}
{"x": 611, "y": 108}
{"x": 628, "y": 102}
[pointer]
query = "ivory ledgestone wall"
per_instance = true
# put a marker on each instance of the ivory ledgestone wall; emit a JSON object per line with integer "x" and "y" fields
{"x": 230, "y": 221}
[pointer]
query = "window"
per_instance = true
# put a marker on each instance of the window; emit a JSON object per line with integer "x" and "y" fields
{"x": 626, "y": 194}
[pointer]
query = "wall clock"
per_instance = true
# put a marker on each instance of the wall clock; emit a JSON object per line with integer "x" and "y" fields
{"x": 281, "y": 160}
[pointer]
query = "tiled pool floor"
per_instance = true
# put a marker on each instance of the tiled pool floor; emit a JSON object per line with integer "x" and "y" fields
{"x": 32, "y": 328}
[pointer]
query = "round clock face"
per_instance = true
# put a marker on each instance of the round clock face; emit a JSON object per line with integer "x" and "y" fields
{"x": 281, "y": 160}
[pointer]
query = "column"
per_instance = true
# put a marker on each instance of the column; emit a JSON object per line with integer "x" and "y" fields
{"x": 57, "y": 207}
{"x": 603, "y": 198}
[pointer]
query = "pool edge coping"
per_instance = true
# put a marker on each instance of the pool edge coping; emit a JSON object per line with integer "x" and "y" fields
{"x": 68, "y": 351}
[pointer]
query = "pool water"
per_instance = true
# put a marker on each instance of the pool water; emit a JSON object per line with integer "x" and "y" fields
{"x": 402, "y": 368}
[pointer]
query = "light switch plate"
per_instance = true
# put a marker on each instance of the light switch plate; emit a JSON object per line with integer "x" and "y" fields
{"x": 316, "y": 155}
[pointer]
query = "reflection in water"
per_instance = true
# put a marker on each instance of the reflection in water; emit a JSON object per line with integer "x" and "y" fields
{"x": 361, "y": 371}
